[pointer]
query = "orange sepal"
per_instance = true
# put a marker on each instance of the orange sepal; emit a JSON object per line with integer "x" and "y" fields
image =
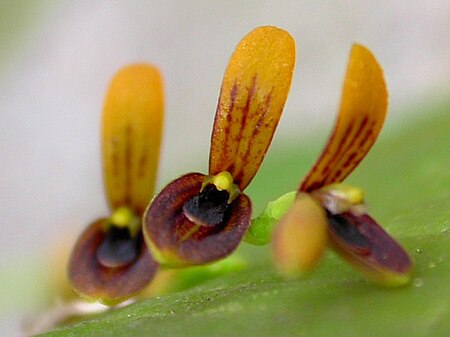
{"x": 300, "y": 238}
{"x": 252, "y": 97}
{"x": 361, "y": 117}
{"x": 131, "y": 136}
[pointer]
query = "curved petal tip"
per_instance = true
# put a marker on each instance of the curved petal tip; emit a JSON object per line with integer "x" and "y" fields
{"x": 361, "y": 116}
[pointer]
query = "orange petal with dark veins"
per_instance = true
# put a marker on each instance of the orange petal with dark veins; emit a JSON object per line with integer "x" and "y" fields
{"x": 361, "y": 117}
{"x": 176, "y": 240}
{"x": 110, "y": 285}
{"x": 366, "y": 246}
{"x": 131, "y": 136}
{"x": 252, "y": 97}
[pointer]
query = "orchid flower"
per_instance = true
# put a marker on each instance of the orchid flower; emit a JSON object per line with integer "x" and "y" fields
{"x": 110, "y": 261}
{"x": 198, "y": 218}
{"x": 323, "y": 211}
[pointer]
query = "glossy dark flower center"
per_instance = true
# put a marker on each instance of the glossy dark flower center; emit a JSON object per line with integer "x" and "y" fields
{"x": 208, "y": 208}
{"x": 118, "y": 248}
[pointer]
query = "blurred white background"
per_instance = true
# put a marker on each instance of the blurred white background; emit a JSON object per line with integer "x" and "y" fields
{"x": 57, "y": 57}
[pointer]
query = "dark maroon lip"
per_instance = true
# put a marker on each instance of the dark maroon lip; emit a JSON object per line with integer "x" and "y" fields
{"x": 362, "y": 237}
{"x": 174, "y": 223}
{"x": 92, "y": 278}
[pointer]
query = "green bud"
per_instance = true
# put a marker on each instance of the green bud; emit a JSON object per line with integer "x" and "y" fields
{"x": 260, "y": 230}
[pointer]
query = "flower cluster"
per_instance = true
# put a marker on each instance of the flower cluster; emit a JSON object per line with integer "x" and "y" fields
{"x": 201, "y": 218}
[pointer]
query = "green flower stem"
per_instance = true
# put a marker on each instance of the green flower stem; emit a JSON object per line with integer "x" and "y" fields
{"x": 260, "y": 230}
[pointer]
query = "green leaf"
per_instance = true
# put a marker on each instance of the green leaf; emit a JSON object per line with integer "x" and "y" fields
{"x": 407, "y": 183}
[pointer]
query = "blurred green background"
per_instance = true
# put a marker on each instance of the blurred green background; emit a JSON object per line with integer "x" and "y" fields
{"x": 58, "y": 56}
